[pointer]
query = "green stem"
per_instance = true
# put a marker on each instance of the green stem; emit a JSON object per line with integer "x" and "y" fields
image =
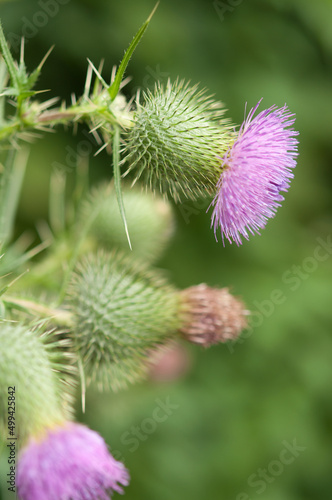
{"x": 84, "y": 112}
{"x": 58, "y": 316}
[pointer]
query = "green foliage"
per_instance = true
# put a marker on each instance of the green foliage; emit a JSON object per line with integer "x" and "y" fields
{"x": 121, "y": 313}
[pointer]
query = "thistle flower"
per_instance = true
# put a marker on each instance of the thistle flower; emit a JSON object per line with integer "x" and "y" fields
{"x": 58, "y": 458}
{"x": 211, "y": 315}
{"x": 177, "y": 136}
{"x": 68, "y": 462}
{"x": 254, "y": 171}
{"x": 122, "y": 311}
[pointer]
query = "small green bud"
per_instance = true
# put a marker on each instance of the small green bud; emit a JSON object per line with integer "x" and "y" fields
{"x": 178, "y": 138}
{"x": 122, "y": 311}
{"x": 29, "y": 360}
{"x": 149, "y": 218}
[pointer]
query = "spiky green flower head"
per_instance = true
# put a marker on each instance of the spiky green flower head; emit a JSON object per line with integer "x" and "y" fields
{"x": 149, "y": 218}
{"x": 178, "y": 137}
{"x": 122, "y": 312}
{"x": 33, "y": 367}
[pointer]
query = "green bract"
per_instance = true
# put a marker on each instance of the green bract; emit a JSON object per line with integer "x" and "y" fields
{"x": 122, "y": 312}
{"x": 177, "y": 141}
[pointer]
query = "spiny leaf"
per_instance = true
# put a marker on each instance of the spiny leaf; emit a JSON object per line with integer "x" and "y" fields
{"x": 114, "y": 88}
{"x": 12, "y": 68}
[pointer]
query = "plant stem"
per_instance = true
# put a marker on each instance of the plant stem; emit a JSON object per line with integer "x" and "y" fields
{"x": 58, "y": 316}
{"x": 31, "y": 120}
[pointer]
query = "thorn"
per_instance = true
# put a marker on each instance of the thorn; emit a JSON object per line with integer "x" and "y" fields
{"x": 154, "y": 10}
{"x": 47, "y": 104}
{"x": 88, "y": 80}
{"x": 96, "y": 127}
{"x": 113, "y": 74}
{"x": 98, "y": 74}
{"x": 127, "y": 233}
{"x": 96, "y": 136}
{"x": 41, "y": 91}
{"x": 42, "y": 62}
{"x": 101, "y": 149}
{"x": 101, "y": 65}
{"x": 22, "y": 51}
{"x": 125, "y": 81}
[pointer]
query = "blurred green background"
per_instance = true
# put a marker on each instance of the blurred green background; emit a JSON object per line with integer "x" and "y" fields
{"x": 238, "y": 407}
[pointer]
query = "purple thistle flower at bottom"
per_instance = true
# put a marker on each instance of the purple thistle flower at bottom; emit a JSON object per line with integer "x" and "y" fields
{"x": 254, "y": 171}
{"x": 69, "y": 462}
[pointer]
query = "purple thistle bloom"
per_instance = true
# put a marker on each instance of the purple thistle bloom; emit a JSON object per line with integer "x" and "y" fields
{"x": 70, "y": 462}
{"x": 254, "y": 171}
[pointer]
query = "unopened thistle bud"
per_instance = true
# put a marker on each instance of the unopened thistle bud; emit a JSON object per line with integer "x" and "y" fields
{"x": 149, "y": 218}
{"x": 211, "y": 315}
{"x": 122, "y": 312}
{"x": 178, "y": 137}
{"x": 30, "y": 362}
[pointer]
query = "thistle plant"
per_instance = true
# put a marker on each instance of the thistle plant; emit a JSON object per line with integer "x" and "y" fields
{"x": 91, "y": 309}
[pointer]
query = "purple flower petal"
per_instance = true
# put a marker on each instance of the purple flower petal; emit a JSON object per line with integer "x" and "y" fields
{"x": 69, "y": 462}
{"x": 254, "y": 171}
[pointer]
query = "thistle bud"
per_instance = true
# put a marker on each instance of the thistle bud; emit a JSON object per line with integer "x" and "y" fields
{"x": 211, "y": 315}
{"x": 31, "y": 366}
{"x": 178, "y": 137}
{"x": 122, "y": 312}
{"x": 149, "y": 218}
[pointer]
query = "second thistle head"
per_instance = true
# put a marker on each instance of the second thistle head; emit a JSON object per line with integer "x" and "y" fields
{"x": 177, "y": 139}
{"x": 122, "y": 311}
